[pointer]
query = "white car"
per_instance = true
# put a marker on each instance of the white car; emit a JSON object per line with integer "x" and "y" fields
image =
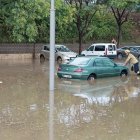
{"x": 62, "y": 53}
{"x": 101, "y": 49}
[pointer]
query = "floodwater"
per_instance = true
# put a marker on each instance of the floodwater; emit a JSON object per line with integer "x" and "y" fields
{"x": 108, "y": 109}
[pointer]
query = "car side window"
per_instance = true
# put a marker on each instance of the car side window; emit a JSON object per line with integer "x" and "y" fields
{"x": 133, "y": 49}
{"x": 46, "y": 48}
{"x": 91, "y": 48}
{"x": 98, "y": 63}
{"x": 108, "y": 63}
{"x": 99, "y": 48}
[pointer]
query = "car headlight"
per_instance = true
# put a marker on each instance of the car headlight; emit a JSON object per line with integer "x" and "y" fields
{"x": 66, "y": 57}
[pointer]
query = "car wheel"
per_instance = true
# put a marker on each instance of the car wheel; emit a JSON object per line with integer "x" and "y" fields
{"x": 120, "y": 56}
{"x": 59, "y": 60}
{"x": 42, "y": 58}
{"x": 123, "y": 74}
{"x": 91, "y": 77}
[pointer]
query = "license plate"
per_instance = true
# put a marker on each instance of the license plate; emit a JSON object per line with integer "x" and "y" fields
{"x": 67, "y": 76}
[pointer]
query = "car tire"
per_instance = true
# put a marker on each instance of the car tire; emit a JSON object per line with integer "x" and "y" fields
{"x": 123, "y": 74}
{"x": 119, "y": 56}
{"x": 42, "y": 59}
{"x": 59, "y": 60}
{"x": 91, "y": 77}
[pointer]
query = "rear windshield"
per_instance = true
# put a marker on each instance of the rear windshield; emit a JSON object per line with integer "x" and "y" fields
{"x": 80, "y": 61}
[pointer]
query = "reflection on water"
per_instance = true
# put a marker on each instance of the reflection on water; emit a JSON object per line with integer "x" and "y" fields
{"x": 77, "y": 110}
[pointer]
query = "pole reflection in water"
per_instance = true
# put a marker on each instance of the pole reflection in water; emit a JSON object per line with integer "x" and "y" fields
{"x": 51, "y": 117}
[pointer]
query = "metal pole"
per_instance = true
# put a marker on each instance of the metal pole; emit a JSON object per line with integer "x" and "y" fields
{"x": 51, "y": 115}
{"x": 52, "y": 45}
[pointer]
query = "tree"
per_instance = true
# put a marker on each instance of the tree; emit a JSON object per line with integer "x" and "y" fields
{"x": 121, "y": 10}
{"x": 84, "y": 11}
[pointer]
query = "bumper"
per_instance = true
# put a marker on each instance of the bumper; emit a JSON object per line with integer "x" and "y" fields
{"x": 72, "y": 75}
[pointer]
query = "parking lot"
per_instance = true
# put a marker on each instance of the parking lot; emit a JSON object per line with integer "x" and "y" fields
{"x": 77, "y": 110}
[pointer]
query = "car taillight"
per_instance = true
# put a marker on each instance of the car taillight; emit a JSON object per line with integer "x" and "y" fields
{"x": 59, "y": 69}
{"x": 78, "y": 70}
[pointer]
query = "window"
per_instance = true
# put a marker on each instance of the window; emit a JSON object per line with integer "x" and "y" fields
{"x": 108, "y": 63}
{"x": 91, "y": 48}
{"x": 80, "y": 61}
{"x": 114, "y": 47}
{"x": 100, "y": 48}
{"x": 110, "y": 48}
{"x": 46, "y": 48}
{"x": 62, "y": 49}
{"x": 98, "y": 63}
{"x": 134, "y": 49}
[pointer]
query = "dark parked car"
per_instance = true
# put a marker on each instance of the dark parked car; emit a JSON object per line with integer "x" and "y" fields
{"x": 135, "y": 50}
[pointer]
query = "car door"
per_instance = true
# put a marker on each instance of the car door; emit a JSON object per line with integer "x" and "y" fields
{"x": 46, "y": 51}
{"x": 111, "y": 51}
{"x": 99, "y": 68}
{"x": 89, "y": 51}
{"x": 110, "y": 68}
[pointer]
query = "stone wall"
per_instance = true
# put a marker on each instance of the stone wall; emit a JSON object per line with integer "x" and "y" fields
{"x": 27, "y": 50}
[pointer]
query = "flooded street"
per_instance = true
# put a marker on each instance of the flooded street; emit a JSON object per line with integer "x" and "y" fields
{"x": 108, "y": 109}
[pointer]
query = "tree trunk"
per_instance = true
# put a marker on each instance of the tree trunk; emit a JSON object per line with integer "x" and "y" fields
{"x": 118, "y": 36}
{"x": 33, "y": 51}
{"x": 80, "y": 43}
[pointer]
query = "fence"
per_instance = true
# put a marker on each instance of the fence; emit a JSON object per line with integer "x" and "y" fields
{"x": 30, "y": 48}
{"x": 27, "y": 50}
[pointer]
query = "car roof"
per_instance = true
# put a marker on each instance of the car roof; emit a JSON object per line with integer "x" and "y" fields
{"x": 129, "y": 46}
{"x": 56, "y": 45}
{"x": 94, "y": 57}
{"x": 103, "y": 44}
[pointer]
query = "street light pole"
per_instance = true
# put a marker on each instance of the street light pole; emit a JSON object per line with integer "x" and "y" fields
{"x": 52, "y": 46}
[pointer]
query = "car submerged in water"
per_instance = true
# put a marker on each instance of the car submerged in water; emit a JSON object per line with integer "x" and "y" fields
{"x": 62, "y": 53}
{"x": 90, "y": 68}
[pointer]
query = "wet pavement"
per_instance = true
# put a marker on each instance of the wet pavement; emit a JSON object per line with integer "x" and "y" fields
{"x": 108, "y": 109}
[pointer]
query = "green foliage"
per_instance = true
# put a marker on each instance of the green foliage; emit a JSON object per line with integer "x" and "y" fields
{"x": 21, "y": 16}
{"x": 29, "y": 21}
{"x": 103, "y": 26}
{"x": 121, "y": 4}
{"x": 64, "y": 21}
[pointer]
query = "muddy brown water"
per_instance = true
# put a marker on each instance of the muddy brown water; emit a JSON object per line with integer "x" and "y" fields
{"x": 108, "y": 109}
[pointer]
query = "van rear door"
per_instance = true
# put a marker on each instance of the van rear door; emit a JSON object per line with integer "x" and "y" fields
{"x": 112, "y": 50}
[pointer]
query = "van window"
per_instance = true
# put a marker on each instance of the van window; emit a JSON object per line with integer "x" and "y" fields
{"x": 114, "y": 47}
{"x": 100, "y": 48}
{"x": 91, "y": 48}
{"x": 110, "y": 48}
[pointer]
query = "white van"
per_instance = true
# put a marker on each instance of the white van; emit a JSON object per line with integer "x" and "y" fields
{"x": 101, "y": 49}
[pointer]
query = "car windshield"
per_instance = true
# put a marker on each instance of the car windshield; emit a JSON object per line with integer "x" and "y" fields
{"x": 62, "y": 49}
{"x": 80, "y": 61}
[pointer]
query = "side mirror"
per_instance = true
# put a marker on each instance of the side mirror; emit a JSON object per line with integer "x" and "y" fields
{"x": 115, "y": 65}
